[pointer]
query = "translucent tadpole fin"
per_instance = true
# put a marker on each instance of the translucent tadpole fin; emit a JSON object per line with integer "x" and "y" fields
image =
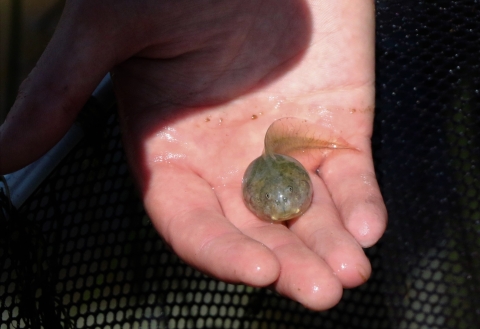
{"x": 289, "y": 136}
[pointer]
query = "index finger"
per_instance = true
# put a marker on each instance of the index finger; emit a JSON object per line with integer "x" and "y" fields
{"x": 186, "y": 212}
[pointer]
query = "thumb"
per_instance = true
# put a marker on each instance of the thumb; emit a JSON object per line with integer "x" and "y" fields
{"x": 74, "y": 62}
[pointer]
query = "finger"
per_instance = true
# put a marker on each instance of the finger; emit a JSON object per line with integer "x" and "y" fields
{"x": 321, "y": 229}
{"x": 185, "y": 210}
{"x": 74, "y": 62}
{"x": 350, "y": 178}
{"x": 305, "y": 277}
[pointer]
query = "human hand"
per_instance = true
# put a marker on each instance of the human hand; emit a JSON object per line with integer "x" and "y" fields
{"x": 197, "y": 86}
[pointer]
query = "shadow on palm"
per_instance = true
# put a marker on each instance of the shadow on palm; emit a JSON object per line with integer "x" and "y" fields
{"x": 186, "y": 105}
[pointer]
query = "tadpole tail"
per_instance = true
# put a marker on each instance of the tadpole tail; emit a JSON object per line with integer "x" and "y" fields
{"x": 292, "y": 135}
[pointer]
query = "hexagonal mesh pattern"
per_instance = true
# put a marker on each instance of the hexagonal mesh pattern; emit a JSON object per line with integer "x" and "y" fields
{"x": 428, "y": 147}
{"x": 81, "y": 253}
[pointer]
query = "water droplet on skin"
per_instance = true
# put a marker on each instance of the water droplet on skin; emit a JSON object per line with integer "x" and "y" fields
{"x": 323, "y": 113}
{"x": 364, "y": 230}
{"x": 366, "y": 179}
{"x": 168, "y": 156}
{"x": 167, "y": 134}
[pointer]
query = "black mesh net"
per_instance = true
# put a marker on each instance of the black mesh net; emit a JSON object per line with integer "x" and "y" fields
{"x": 81, "y": 253}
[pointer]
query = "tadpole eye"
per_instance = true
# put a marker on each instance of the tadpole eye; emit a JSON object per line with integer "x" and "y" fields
{"x": 267, "y": 195}
{"x": 290, "y": 189}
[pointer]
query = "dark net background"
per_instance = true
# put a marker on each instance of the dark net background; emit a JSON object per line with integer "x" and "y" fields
{"x": 81, "y": 253}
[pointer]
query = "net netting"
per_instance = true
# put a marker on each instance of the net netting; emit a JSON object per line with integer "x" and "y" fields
{"x": 81, "y": 253}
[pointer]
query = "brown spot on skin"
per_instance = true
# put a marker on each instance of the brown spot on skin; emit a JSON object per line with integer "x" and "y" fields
{"x": 207, "y": 119}
{"x": 369, "y": 109}
{"x": 254, "y": 117}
